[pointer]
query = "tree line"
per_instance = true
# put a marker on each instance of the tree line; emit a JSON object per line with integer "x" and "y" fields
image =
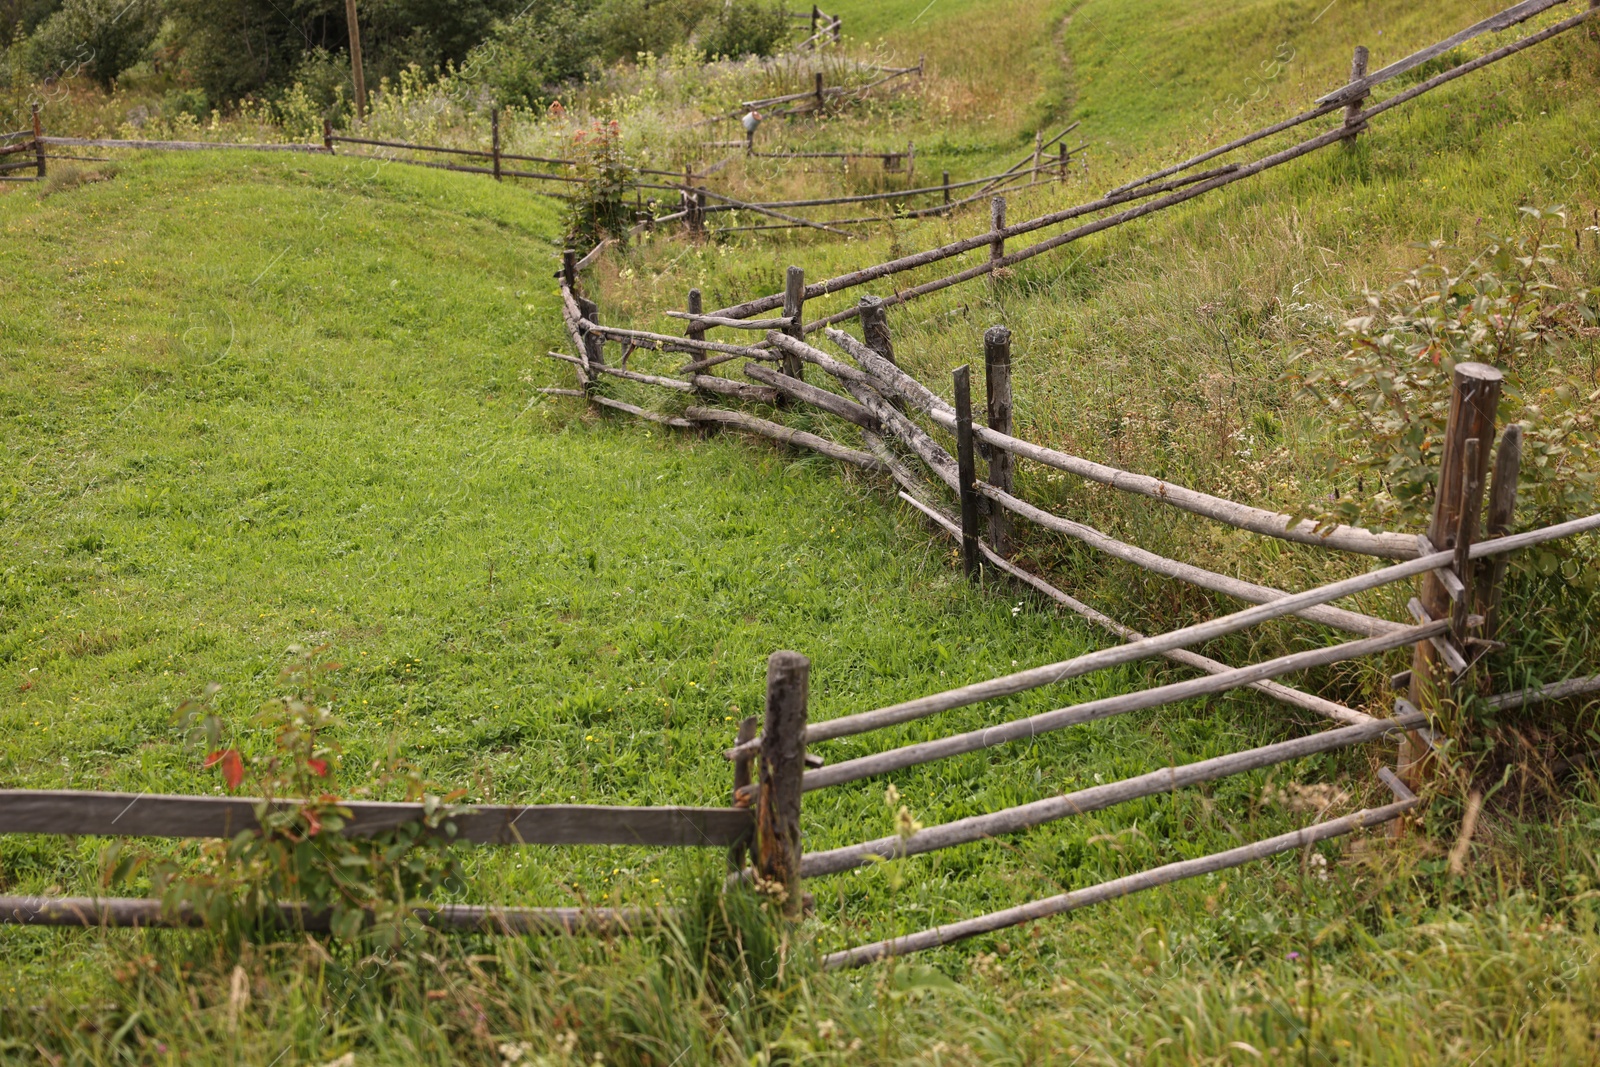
{"x": 230, "y": 50}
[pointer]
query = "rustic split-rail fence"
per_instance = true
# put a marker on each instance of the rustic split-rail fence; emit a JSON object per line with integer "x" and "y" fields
{"x": 1458, "y": 564}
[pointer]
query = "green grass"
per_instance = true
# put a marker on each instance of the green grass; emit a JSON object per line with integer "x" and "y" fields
{"x": 256, "y": 403}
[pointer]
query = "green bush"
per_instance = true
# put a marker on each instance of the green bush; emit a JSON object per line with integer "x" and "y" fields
{"x": 744, "y": 29}
{"x": 1387, "y": 401}
{"x": 551, "y": 42}
{"x": 98, "y": 38}
{"x": 19, "y": 18}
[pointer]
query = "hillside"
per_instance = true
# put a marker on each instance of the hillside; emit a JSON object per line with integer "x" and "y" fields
{"x": 256, "y": 404}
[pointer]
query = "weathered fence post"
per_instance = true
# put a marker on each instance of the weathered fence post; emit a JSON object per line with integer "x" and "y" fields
{"x": 741, "y": 780}
{"x": 1002, "y": 464}
{"x": 1472, "y": 477}
{"x": 594, "y": 344}
{"x": 794, "y": 304}
{"x": 911, "y": 162}
{"x": 1474, "y": 397}
{"x": 875, "y": 327}
{"x": 821, "y": 100}
{"x": 816, "y": 17}
{"x": 997, "y": 222}
{"x": 838, "y": 26}
{"x": 783, "y": 751}
{"x": 494, "y": 133}
{"x": 1038, "y": 150}
{"x": 946, "y": 188}
{"x": 327, "y": 135}
{"x": 1352, "y": 111}
{"x": 1502, "y": 507}
{"x": 569, "y": 269}
{"x": 38, "y": 140}
{"x": 966, "y": 473}
{"x": 696, "y": 306}
{"x": 1066, "y": 159}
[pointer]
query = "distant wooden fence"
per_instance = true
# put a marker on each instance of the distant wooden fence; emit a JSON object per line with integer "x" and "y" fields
{"x": 1164, "y": 189}
{"x": 17, "y": 154}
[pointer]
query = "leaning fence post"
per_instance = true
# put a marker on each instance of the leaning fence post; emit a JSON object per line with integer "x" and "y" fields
{"x": 997, "y": 222}
{"x": 1474, "y": 396}
{"x": 38, "y": 140}
{"x": 794, "y": 304}
{"x": 1002, "y": 464}
{"x": 783, "y": 752}
{"x": 1467, "y": 532}
{"x": 741, "y": 780}
{"x": 875, "y": 327}
{"x": 1502, "y": 507}
{"x": 966, "y": 472}
{"x": 1352, "y": 111}
{"x": 494, "y": 133}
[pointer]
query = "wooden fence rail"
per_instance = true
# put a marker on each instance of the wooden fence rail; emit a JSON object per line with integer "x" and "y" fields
{"x": 1166, "y": 874}
{"x": 94, "y": 912}
{"x": 51, "y": 811}
{"x": 1096, "y": 798}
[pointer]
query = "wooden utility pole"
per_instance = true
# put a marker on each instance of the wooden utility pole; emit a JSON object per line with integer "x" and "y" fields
{"x": 356, "y": 72}
{"x": 783, "y": 751}
{"x": 1474, "y": 398}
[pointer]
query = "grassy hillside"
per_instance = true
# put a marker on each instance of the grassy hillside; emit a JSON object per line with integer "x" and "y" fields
{"x": 256, "y": 403}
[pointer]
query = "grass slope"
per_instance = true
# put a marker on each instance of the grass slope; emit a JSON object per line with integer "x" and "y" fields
{"x": 255, "y": 403}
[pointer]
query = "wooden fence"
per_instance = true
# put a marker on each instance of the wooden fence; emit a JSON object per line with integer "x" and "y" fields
{"x": 20, "y": 154}
{"x": 768, "y": 825}
{"x": 1458, "y": 561}
{"x": 1169, "y": 187}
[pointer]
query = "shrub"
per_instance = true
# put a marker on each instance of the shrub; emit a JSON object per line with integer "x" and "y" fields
{"x": 600, "y": 207}
{"x": 99, "y": 38}
{"x": 744, "y": 29}
{"x": 366, "y": 885}
{"x": 1387, "y": 400}
{"x": 550, "y": 42}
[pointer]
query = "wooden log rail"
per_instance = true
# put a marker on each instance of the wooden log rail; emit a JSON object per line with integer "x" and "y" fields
{"x": 910, "y": 262}
{"x": 51, "y": 811}
{"x": 1096, "y": 798}
{"x": 97, "y": 912}
{"x": 1285, "y": 694}
{"x": 177, "y": 146}
{"x": 1049, "y": 674}
{"x": 1094, "y": 710}
{"x": 1231, "y": 513}
{"x": 1295, "y": 840}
